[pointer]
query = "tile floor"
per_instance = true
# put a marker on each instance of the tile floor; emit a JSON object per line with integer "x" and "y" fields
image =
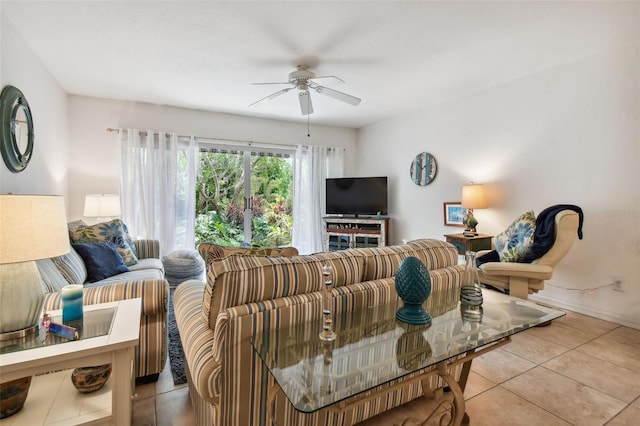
{"x": 578, "y": 371}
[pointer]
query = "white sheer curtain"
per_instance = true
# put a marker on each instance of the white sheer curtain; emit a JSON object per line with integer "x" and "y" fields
{"x": 157, "y": 187}
{"x": 311, "y": 166}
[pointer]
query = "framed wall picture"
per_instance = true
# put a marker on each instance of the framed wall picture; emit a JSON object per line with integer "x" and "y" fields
{"x": 454, "y": 213}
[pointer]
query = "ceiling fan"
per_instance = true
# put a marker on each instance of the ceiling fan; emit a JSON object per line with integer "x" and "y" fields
{"x": 305, "y": 81}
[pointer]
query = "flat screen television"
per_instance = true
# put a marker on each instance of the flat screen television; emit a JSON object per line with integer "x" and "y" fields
{"x": 365, "y": 196}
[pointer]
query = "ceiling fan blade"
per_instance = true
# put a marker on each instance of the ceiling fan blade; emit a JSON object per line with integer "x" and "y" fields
{"x": 333, "y": 79}
{"x": 352, "y": 100}
{"x": 305, "y": 102}
{"x": 259, "y": 84}
{"x": 271, "y": 96}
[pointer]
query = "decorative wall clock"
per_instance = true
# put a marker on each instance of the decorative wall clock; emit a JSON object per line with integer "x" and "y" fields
{"x": 423, "y": 169}
{"x": 16, "y": 138}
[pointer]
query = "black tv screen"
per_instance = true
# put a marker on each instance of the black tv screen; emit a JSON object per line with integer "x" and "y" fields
{"x": 357, "y": 196}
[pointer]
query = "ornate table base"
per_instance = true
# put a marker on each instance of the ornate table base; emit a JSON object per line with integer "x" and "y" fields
{"x": 449, "y": 409}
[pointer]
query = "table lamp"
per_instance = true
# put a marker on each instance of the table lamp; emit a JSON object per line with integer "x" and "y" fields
{"x": 32, "y": 227}
{"x": 472, "y": 198}
{"x": 102, "y": 206}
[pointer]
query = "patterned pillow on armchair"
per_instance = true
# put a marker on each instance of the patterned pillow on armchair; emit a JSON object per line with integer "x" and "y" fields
{"x": 514, "y": 242}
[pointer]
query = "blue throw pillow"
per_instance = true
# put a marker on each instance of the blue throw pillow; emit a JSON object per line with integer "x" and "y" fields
{"x": 101, "y": 259}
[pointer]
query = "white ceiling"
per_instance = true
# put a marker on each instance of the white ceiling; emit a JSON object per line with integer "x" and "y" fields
{"x": 395, "y": 55}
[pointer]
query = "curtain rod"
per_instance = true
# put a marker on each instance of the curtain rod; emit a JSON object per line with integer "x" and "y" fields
{"x": 228, "y": 141}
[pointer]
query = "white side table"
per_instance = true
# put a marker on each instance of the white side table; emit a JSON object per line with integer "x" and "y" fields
{"x": 115, "y": 347}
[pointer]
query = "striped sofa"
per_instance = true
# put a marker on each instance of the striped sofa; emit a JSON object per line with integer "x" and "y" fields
{"x": 145, "y": 280}
{"x": 228, "y": 384}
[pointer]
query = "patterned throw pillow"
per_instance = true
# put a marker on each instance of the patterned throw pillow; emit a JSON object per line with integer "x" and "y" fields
{"x": 114, "y": 231}
{"x": 76, "y": 224}
{"x": 514, "y": 242}
{"x": 211, "y": 252}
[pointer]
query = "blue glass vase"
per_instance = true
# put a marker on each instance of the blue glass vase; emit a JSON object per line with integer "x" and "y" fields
{"x": 413, "y": 285}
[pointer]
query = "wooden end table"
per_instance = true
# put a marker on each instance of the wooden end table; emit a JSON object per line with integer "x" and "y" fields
{"x": 463, "y": 244}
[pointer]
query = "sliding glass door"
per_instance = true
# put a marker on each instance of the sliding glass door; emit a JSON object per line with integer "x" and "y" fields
{"x": 271, "y": 200}
{"x": 244, "y": 197}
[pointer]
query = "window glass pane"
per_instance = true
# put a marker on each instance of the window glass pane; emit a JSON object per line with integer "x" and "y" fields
{"x": 271, "y": 200}
{"x": 220, "y": 198}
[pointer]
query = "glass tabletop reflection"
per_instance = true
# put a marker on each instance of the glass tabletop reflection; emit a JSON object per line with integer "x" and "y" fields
{"x": 373, "y": 348}
{"x": 95, "y": 323}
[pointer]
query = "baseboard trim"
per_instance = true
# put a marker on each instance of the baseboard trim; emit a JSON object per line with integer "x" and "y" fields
{"x": 596, "y": 313}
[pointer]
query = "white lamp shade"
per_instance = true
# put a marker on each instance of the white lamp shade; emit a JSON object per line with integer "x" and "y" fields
{"x": 102, "y": 205}
{"x": 473, "y": 197}
{"x": 32, "y": 227}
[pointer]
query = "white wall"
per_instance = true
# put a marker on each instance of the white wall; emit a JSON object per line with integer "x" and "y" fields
{"x": 566, "y": 135}
{"x": 95, "y": 154}
{"x": 46, "y": 173}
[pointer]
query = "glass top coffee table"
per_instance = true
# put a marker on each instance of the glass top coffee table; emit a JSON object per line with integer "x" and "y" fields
{"x": 373, "y": 348}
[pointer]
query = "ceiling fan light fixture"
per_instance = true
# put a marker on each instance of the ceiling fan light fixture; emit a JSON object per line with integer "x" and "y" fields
{"x": 302, "y": 79}
{"x": 302, "y": 74}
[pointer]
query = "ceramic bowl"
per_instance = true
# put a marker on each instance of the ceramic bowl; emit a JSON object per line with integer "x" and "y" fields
{"x": 90, "y": 379}
{"x": 13, "y": 394}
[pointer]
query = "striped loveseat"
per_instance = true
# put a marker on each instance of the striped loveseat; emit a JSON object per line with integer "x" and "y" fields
{"x": 144, "y": 280}
{"x": 228, "y": 384}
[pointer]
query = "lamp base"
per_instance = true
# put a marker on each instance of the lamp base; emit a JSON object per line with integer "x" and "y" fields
{"x": 19, "y": 334}
{"x": 470, "y": 222}
{"x": 21, "y": 296}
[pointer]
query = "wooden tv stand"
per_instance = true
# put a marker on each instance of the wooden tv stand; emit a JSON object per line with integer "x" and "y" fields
{"x": 354, "y": 232}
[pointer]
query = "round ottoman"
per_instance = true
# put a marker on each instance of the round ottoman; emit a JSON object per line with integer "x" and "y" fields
{"x": 183, "y": 265}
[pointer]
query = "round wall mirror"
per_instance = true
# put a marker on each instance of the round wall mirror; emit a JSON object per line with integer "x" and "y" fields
{"x": 16, "y": 141}
{"x": 423, "y": 169}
